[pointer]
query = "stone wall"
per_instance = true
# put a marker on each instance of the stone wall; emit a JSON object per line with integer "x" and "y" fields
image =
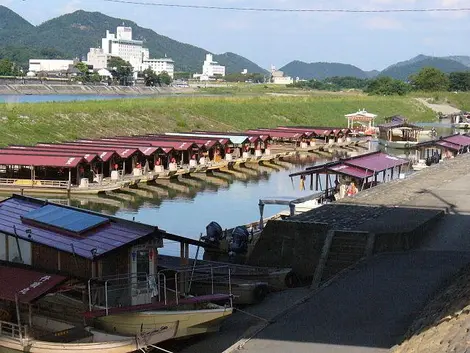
{"x": 295, "y": 245}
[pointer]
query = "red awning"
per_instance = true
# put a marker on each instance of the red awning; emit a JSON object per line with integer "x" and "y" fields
{"x": 27, "y": 285}
{"x": 89, "y": 157}
{"x": 448, "y": 145}
{"x": 40, "y": 161}
{"x": 376, "y": 162}
{"x": 460, "y": 140}
{"x": 351, "y": 171}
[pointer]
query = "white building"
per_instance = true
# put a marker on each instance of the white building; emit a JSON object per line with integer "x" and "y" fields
{"x": 278, "y": 78}
{"x": 210, "y": 69}
{"x": 120, "y": 45}
{"x": 45, "y": 65}
{"x": 160, "y": 65}
{"x": 97, "y": 58}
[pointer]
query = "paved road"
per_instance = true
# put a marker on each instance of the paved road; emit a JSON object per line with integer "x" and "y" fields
{"x": 366, "y": 311}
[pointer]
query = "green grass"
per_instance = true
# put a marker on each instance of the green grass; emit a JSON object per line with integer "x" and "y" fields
{"x": 53, "y": 122}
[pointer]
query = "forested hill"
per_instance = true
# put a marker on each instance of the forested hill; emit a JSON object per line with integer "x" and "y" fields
{"x": 72, "y": 35}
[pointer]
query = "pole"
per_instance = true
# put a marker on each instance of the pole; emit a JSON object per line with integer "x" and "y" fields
{"x": 18, "y": 244}
{"x": 18, "y": 316}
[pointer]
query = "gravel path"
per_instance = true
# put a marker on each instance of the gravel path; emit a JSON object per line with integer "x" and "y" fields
{"x": 439, "y": 108}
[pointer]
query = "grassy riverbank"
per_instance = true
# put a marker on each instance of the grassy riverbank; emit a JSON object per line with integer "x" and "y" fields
{"x": 30, "y": 123}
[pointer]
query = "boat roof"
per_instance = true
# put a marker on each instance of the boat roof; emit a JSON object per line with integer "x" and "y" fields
{"x": 26, "y": 285}
{"x": 350, "y": 170}
{"x": 319, "y": 130}
{"x": 362, "y": 166}
{"x": 201, "y": 142}
{"x": 145, "y": 148}
{"x": 262, "y": 137}
{"x": 448, "y": 145}
{"x": 104, "y": 153}
{"x": 398, "y": 124}
{"x": 89, "y": 157}
{"x": 278, "y": 133}
{"x": 41, "y": 160}
{"x": 178, "y": 145}
{"x": 122, "y": 152}
{"x": 240, "y": 139}
{"x": 77, "y": 231}
{"x": 461, "y": 140}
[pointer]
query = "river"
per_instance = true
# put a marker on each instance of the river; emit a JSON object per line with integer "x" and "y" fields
{"x": 41, "y": 98}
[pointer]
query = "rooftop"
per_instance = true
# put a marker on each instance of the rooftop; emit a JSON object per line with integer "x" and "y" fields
{"x": 84, "y": 233}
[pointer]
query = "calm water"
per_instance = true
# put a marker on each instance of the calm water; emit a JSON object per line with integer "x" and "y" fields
{"x": 231, "y": 203}
{"x": 38, "y": 98}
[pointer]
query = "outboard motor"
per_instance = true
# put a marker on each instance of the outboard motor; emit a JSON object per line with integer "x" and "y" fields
{"x": 239, "y": 244}
{"x": 214, "y": 234}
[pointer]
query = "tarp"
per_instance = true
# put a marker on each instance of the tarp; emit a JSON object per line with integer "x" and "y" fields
{"x": 26, "y": 285}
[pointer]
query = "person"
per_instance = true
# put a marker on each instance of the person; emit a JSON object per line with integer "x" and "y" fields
{"x": 302, "y": 182}
{"x": 173, "y": 160}
{"x": 352, "y": 189}
{"x": 337, "y": 185}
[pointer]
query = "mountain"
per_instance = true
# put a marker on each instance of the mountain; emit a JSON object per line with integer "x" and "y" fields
{"x": 73, "y": 34}
{"x": 12, "y": 26}
{"x": 404, "y": 69}
{"x": 321, "y": 70}
{"x": 465, "y": 60}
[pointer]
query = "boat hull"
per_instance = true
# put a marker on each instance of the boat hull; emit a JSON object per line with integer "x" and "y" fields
{"x": 191, "y": 322}
{"x": 465, "y": 126}
{"x": 403, "y": 145}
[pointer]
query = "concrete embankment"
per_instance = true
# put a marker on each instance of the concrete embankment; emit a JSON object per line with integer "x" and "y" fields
{"x": 71, "y": 89}
{"x": 370, "y": 307}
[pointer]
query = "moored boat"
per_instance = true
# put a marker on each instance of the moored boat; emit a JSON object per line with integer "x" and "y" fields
{"x": 24, "y": 329}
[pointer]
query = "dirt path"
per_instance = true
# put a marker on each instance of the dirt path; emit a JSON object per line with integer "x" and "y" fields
{"x": 438, "y": 108}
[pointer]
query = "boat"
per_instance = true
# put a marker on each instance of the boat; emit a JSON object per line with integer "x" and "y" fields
{"x": 460, "y": 120}
{"x": 398, "y": 133}
{"x": 155, "y": 301}
{"x": 23, "y": 328}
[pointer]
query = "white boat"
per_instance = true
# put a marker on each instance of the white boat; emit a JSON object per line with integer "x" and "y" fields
{"x": 399, "y": 134}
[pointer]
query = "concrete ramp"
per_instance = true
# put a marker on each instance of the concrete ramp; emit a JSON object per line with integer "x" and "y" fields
{"x": 368, "y": 309}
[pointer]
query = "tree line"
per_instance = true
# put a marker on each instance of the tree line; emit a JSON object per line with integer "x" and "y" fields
{"x": 427, "y": 79}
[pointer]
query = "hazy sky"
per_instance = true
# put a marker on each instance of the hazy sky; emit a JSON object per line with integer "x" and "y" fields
{"x": 370, "y": 41}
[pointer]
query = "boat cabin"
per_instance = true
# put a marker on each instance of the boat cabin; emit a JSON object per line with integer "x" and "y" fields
{"x": 348, "y": 176}
{"x": 431, "y": 152}
{"x": 399, "y": 134}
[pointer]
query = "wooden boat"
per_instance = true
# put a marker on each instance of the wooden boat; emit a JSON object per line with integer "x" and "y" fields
{"x": 193, "y": 316}
{"x": 64, "y": 337}
{"x": 28, "y": 328}
{"x": 399, "y": 134}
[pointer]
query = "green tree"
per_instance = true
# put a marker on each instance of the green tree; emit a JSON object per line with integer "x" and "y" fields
{"x": 459, "y": 81}
{"x": 430, "y": 79}
{"x": 165, "y": 79}
{"x": 151, "y": 78}
{"x": 8, "y": 68}
{"x": 121, "y": 70}
{"x": 82, "y": 67}
{"x": 181, "y": 75}
{"x": 387, "y": 86}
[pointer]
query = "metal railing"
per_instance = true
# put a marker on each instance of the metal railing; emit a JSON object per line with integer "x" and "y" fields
{"x": 12, "y": 330}
{"x": 122, "y": 290}
{"x": 34, "y": 183}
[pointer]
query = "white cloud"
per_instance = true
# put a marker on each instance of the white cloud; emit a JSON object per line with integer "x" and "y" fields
{"x": 71, "y": 6}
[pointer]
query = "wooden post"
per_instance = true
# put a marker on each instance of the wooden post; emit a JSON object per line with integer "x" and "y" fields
{"x": 311, "y": 181}
{"x": 327, "y": 186}
{"x": 316, "y": 182}
{"x": 32, "y": 176}
{"x": 70, "y": 179}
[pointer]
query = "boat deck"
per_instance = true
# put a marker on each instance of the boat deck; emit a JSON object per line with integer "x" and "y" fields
{"x": 157, "y": 306}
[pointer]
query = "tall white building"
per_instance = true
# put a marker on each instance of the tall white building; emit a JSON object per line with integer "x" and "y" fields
{"x": 210, "y": 69}
{"x": 123, "y": 46}
{"x": 160, "y": 65}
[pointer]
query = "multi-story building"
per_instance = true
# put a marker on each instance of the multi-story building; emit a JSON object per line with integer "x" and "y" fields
{"x": 278, "y": 78}
{"x": 212, "y": 68}
{"x": 160, "y": 65}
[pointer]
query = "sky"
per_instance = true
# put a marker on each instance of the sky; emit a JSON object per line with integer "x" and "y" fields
{"x": 369, "y": 41}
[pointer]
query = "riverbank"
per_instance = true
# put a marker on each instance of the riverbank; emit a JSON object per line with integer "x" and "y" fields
{"x": 74, "y": 89}
{"x": 59, "y": 121}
